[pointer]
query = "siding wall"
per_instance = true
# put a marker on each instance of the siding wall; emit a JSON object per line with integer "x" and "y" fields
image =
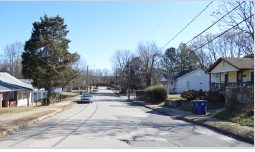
{"x": 197, "y": 80}
{"x": 223, "y": 67}
{"x": 24, "y": 98}
{"x": 232, "y": 76}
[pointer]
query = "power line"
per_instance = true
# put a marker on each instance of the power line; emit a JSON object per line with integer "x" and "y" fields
{"x": 223, "y": 32}
{"x": 187, "y": 24}
{"x": 215, "y": 22}
{"x": 161, "y": 20}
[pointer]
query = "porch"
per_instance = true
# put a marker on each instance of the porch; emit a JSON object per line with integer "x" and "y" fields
{"x": 221, "y": 86}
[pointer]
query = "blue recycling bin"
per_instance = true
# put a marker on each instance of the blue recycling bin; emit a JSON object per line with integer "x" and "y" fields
{"x": 199, "y": 107}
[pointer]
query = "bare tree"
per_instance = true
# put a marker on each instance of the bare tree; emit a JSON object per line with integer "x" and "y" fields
{"x": 80, "y": 65}
{"x": 202, "y": 53}
{"x": 12, "y": 55}
{"x": 3, "y": 65}
{"x": 106, "y": 73}
{"x": 149, "y": 54}
{"x": 119, "y": 60}
{"x": 242, "y": 11}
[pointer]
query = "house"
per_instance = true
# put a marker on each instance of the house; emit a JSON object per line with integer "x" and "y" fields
{"x": 191, "y": 79}
{"x": 231, "y": 71}
{"x": 13, "y": 92}
{"x": 38, "y": 94}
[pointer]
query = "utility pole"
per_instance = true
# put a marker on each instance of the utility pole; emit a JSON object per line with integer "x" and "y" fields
{"x": 88, "y": 77}
{"x": 116, "y": 78}
{"x": 128, "y": 79}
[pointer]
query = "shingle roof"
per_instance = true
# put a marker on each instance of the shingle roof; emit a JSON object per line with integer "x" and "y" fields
{"x": 5, "y": 87}
{"x": 239, "y": 63}
{"x": 178, "y": 75}
{"x": 8, "y": 79}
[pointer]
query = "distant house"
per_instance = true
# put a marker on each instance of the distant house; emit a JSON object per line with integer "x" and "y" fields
{"x": 57, "y": 90}
{"x": 38, "y": 94}
{"x": 191, "y": 79}
{"x": 14, "y": 92}
{"x": 231, "y": 72}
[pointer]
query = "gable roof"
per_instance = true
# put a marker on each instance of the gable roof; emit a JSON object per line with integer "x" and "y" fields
{"x": 7, "y": 81}
{"x": 239, "y": 63}
{"x": 6, "y": 87}
{"x": 27, "y": 81}
{"x": 178, "y": 75}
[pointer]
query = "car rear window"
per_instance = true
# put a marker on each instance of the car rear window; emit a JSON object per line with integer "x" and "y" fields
{"x": 86, "y": 95}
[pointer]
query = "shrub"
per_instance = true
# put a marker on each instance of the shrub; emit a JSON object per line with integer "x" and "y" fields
{"x": 156, "y": 93}
{"x": 193, "y": 94}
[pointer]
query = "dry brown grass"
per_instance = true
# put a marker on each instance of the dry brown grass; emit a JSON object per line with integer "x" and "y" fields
{"x": 25, "y": 119}
{"x": 175, "y": 97}
{"x": 10, "y": 110}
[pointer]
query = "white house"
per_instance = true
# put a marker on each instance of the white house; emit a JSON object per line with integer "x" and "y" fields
{"x": 13, "y": 92}
{"x": 38, "y": 94}
{"x": 192, "y": 79}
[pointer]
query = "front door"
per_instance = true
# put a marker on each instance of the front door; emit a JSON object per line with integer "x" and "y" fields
{"x": 226, "y": 79}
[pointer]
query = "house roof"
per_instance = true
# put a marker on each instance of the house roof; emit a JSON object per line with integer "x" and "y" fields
{"x": 10, "y": 80}
{"x": 27, "y": 81}
{"x": 6, "y": 87}
{"x": 239, "y": 63}
{"x": 178, "y": 75}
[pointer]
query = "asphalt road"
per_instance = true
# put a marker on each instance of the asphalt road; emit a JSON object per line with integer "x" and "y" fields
{"x": 113, "y": 122}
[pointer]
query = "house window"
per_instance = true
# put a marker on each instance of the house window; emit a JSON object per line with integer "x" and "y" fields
{"x": 188, "y": 85}
{"x": 239, "y": 76}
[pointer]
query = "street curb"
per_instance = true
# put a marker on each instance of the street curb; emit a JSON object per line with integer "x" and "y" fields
{"x": 21, "y": 126}
{"x": 226, "y": 132}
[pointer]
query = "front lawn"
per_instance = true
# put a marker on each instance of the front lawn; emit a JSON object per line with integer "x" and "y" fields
{"x": 175, "y": 97}
{"x": 246, "y": 119}
{"x": 69, "y": 93}
{"x": 10, "y": 110}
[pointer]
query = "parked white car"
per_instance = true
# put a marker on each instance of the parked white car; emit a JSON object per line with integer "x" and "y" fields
{"x": 87, "y": 97}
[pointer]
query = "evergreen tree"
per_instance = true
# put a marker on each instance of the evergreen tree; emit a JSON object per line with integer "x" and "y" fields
{"x": 46, "y": 60}
{"x": 186, "y": 58}
{"x": 169, "y": 61}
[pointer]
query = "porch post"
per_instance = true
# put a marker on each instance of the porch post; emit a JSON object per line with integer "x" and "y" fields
{"x": 241, "y": 78}
{"x": 220, "y": 82}
{"x": 210, "y": 81}
{"x": 1, "y": 98}
{"x": 16, "y": 97}
{"x": 6, "y": 102}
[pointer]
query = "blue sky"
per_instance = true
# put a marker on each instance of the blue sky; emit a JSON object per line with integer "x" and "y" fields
{"x": 97, "y": 29}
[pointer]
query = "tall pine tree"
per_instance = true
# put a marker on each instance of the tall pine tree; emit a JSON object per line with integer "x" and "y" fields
{"x": 46, "y": 60}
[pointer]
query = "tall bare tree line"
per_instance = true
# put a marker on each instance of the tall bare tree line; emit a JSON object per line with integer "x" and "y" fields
{"x": 11, "y": 59}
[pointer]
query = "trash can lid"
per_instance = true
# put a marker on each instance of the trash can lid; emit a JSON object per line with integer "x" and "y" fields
{"x": 198, "y": 101}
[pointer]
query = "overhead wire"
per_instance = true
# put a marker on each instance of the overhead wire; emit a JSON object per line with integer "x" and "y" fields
{"x": 187, "y": 24}
{"x": 223, "y": 33}
{"x": 161, "y": 20}
{"x": 215, "y": 22}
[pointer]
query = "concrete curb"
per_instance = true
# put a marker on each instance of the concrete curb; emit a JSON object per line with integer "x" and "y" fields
{"x": 21, "y": 126}
{"x": 224, "y": 131}
{"x": 221, "y": 130}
